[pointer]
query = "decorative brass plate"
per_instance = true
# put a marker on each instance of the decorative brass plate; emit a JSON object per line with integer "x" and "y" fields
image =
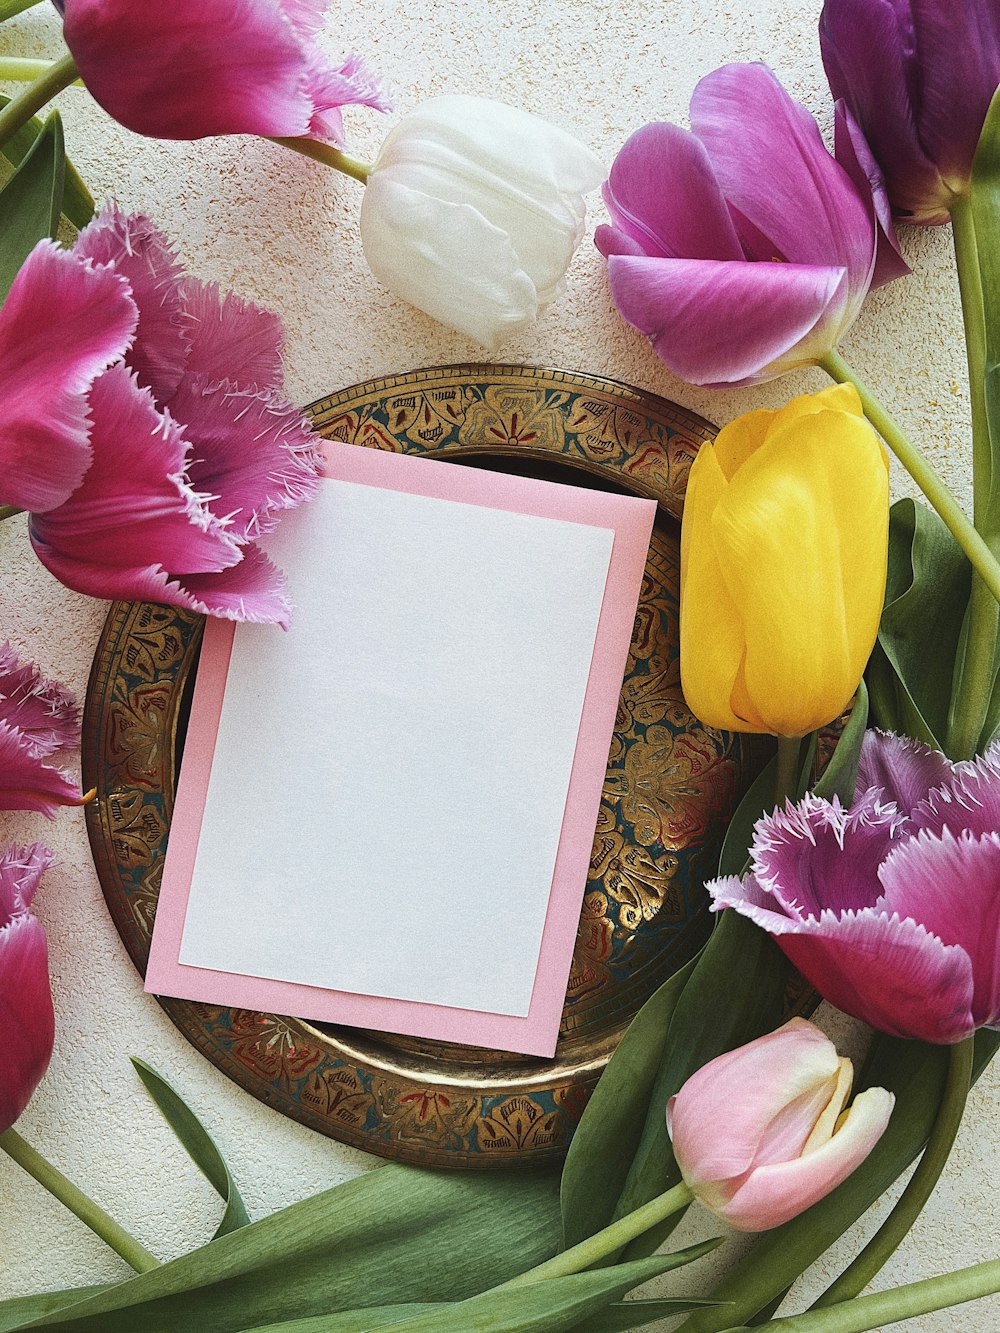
{"x": 670, "y": 787}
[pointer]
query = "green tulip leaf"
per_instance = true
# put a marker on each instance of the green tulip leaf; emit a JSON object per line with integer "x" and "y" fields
{"x": 21, "y": 1310}
{"x": 638, "y": 1314}
{"x": 198, "y": 1144}
{"x": 407, "y": 1234}
{"x": 608, "y": 1135}
{"x": 919, "y": 638}
{"x": 915, "y": 1072}
{"x": 10, "y": 8}
{"x": 986, "y": 224}
{"x": 31, "y": 201}
{"x": 77, "y": 204}
{"x": 840, "y": 776}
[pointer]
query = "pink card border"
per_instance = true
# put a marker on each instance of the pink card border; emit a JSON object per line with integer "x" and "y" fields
{"x": 536, "y": 1033}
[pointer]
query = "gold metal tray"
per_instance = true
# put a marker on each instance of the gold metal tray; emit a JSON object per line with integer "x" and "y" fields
{"x": 670, "y": 788}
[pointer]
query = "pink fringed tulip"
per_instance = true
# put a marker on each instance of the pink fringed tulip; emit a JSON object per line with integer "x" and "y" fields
{"x": 891, "y": 909}
{"x": 37, "y": 718}
{"x": 743, "y": 249}
{"x": 146, "y": 429}
{"x": 918, "y": 75}
{"x": 196, "y": 67}
{"x": 761, "y": 1133}
{"x": 26, "y": 1020}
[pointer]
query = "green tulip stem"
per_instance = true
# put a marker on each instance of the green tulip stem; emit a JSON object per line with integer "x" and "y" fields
{"x": 889, "y": 1307}
{"x": 19, "y": 110}
{"x": 134, "y": 1254}
{"x": 980, "y": 556}
{"x": 17, "y": 69}
{"x": 786, "y": 776}
{"x": 974, "y": 683}
{"x": 329, "y": 156}
{"x": 9, "y": 8}
{"x": 608, "y": 1241}
{"x": 857, "y": 1275}
{"x": 9, "y": 511}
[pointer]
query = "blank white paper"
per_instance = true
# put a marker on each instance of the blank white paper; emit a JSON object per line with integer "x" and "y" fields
{"x": 390, "y": 775}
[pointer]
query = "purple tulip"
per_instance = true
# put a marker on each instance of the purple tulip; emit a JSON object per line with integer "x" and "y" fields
{"x": 891, "y": 909}
{"x": 195, "y": 67}
{"x": 142, "y": 422}
{"x": 743, "y": 249}
{"x": 26, "y": 1018}
{"x": 918, "y": 76}
{"x": 37, "y": 718}
{"x": 763, "y": 1132}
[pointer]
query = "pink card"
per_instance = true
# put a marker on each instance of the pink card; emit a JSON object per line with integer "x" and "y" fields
{"x": 385, "y": 816}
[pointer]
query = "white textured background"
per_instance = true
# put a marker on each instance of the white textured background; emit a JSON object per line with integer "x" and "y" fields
{"x": 283, "y": 231}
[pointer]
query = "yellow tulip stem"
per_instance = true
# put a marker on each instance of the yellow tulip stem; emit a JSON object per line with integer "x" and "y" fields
{"x": 80, "y": 1204}
{"x": 20, "y": 109}
{"x": 883, "y": 1244}
{"x": 329, "y": 156}
{"x": 974, "y": 680}
{"x": 941, "y": 499}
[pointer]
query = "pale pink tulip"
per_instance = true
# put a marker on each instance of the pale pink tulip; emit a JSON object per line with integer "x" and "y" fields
{"x": 196, "y": 67}
{"x": 27, "y": 1024}
{"x": 761, "y": 1133}
{"x": 37, "y": 718}
{"x": 153, "y": 476}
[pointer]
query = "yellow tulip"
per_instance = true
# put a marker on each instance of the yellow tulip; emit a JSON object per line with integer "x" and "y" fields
{"x": 783, "y": 564}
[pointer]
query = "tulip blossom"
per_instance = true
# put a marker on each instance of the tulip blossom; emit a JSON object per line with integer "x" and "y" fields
{"x": 37, "y": 718}
{"x": 761, "y": 1133}
{"x": 198, "y": 67}
{"x": 473, "y": 210}
{"x": 743, "y": 249}
{"x": 26, "y": 1018}
{"x": 890, "y": 908}
{"x": 919, "y": 76}
{"x": 145, "y": 427}
{"x": 783, "y": 562}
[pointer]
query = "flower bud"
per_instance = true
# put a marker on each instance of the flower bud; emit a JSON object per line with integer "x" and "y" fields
{"x": 761, "y": 1133}
{"x": 26, "y": 1018}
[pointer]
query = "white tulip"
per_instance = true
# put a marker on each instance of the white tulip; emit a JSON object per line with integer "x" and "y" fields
{"x": 473, "y": 210}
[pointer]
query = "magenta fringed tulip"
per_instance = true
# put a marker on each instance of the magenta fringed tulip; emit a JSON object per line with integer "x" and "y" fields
{"x": 918, "y": 75}
{"x": 761, "y": 1133}
{"x": 144, "y": 426}
{"x": 195, "y": 67}
{"x": 891, "y": 909}
{"x": 742, "y": 249}
{"x": 27, "y": 1026}
{"x": 37, "y": 718}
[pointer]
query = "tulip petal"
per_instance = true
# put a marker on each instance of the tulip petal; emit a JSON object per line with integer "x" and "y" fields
{"x": 711, "y": 647}
{"x": 815, "y": 855}
{"x": 790, "y": 315}
{"x": 28, "y": 784}
{"x": 785, "y": 1080}
{"x": 662, "y": 193}
{"x": 925, "y": 877}
{"x": 856, "y": 157}
{"x": 771, "y": 162}
{"x": 253, "y": 455}
{"x": 889, "y": 972}
{"x": 141, "y": 254}
{"x": 902, "y": 769}
{"x": 232, "y": 67}
{"x": 43, "y": 711}
{"x": 134, "y": 506}
{"x": 352, "y": 83}
{"x": 865, "y": 45}
{"x": 447, "y": 260}
{"x": 801, "y": 534}
{"x": 772, "y": 1195}
{"x": 26, "y": 1016}
{"x": 61, "y": 324}
{"x": 229, "y": 338}
{"x": 969, "y": 799}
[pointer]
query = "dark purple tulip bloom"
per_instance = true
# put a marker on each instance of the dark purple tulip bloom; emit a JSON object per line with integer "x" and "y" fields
{"x": 891, "y": 909}
{"x": 743, "y": 249}
{"x": 918, "y": 76}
